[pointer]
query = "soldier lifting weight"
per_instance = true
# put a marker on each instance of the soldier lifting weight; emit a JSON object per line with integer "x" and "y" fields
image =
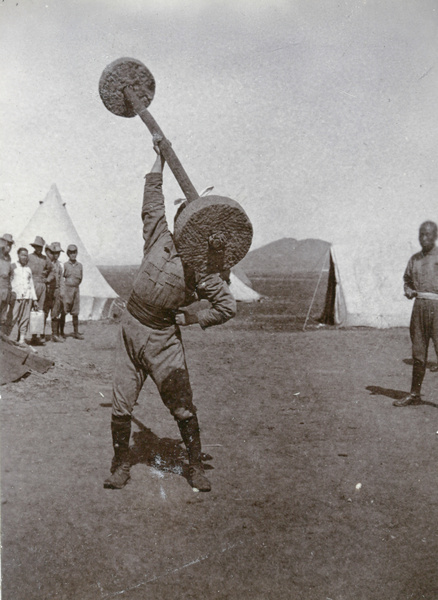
{"x": 210, "y": 236}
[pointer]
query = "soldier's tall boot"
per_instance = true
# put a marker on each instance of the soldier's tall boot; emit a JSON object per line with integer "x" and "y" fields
{"x": 37, "y": 340}
{"x": 61, "y": 326}
{"x": 76, "y": 334}
{"x": 120, "y": 466}
{"x": 43, "y": 335}
{"x": 55, "y": 331}
{"x": 190, "y": 433}
{"x": 418, "y": 372}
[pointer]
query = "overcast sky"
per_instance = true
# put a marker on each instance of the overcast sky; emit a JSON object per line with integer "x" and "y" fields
{"x": 319, "y": 116}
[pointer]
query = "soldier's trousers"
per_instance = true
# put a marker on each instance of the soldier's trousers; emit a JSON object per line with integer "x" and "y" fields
{"x": 423, "y": 328}
{"x": 71, "y": 300}
{"x": 5, "y": 301}
{"x": 143, "y": 351}
{"x": 20, "y": 319}
{"x": 40, "y": 291}
{"x": 53, "y": 303}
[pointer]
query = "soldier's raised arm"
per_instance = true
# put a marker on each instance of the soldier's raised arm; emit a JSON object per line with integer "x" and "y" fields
{"x": 153, "y": 213}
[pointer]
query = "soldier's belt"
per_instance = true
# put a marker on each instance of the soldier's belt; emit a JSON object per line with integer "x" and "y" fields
{"x": 151, "y": 316}
{"x": 427, "y": 295}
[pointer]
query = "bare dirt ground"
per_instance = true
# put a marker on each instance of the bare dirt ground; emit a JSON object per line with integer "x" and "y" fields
{"x": 293, "y": 422}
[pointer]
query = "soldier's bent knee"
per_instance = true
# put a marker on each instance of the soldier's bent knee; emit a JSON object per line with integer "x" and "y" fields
{"x": 176, "y": 394}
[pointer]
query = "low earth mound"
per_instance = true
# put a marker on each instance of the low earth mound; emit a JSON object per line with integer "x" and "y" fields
{"x": 287, "y": 256}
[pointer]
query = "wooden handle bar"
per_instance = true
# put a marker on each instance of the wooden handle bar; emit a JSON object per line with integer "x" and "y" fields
{"x": 166, "y": 149}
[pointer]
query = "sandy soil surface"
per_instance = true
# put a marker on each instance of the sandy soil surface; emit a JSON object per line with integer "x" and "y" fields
{"x": 322, "y": 490}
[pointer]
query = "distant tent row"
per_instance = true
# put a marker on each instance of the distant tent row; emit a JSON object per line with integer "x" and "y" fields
{"x": 365, "y": 286}
{"x": 52, "y": 221}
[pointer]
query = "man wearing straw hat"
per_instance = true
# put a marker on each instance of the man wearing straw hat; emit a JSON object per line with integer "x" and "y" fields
{"x": 42, "y": 274}
{"x": 53, "y": 302}
{"x": 8, "y": 241}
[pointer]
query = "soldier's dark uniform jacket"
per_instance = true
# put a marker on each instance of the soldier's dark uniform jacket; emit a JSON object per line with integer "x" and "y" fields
{"x": 5, "y": 287}
{"x": 149, "y": 340}
{"x": 162, "y": 286}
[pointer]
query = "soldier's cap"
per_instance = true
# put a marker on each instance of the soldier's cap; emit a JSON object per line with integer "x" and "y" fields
{"x": 39, "y": 241}
{"x": 72, "y": 248}
{"x": 7, "y": 237}
{"x": 55, "y": 247}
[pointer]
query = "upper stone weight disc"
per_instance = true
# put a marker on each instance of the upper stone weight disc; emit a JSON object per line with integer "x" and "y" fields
{"x": 119, "y": 74}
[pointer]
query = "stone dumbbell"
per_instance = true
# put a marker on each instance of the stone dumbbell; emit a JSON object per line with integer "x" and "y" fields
{"x": 212, "y": 233}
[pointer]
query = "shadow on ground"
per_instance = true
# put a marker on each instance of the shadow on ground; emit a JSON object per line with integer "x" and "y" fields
{"x": 429, "y": 365}
{"x": 394, "y": 394}
{"x": 164, "y": 454}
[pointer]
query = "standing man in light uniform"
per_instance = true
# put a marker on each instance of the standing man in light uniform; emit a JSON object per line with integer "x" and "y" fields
{"x": 421, "y": 283}
{"x": 70, "y": 282}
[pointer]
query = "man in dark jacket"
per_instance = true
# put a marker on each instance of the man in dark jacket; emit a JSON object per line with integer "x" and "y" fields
{"x": 6, "y": 242}
{"x": 53, "y": 302}
{"x": 150, "y": 340}
{"x": 42, "y": 274}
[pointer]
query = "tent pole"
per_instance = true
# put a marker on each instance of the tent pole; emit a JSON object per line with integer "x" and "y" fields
{"x": 316, "y": 289}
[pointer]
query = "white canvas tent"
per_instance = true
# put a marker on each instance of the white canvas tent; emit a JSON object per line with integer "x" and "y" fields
{"x": 241, "y": 291}
{"x": 365, "y": 286}
{"x": 52, "y": 221}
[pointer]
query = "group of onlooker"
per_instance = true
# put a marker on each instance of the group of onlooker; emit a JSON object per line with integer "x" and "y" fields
{"x": 40, "y": 282}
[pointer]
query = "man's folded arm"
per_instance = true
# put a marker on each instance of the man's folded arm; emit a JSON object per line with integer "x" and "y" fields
{"x": 223, "y": 305}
